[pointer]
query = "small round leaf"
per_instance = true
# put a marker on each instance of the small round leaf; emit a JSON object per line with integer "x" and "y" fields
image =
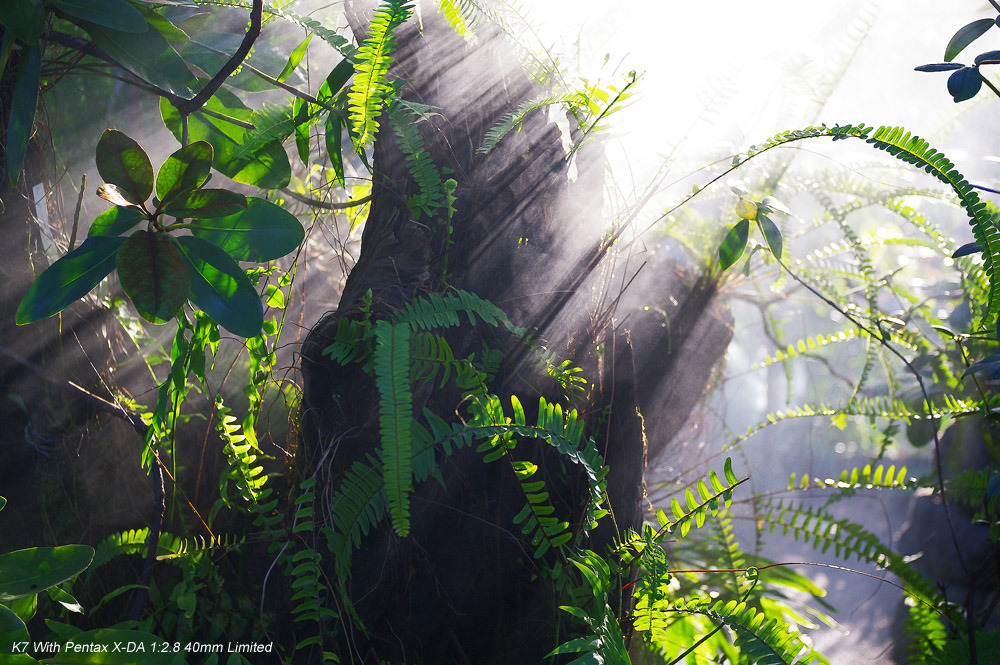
{"x": 153, "y": 274}
{"x": 965, "y": 83}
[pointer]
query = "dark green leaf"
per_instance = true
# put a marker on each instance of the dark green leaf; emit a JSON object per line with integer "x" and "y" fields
{"x": 12, "y": 630}
{"x": 339, "y": 77}
{"x": 122, "y": 162}
{"x": 965, "y": 36}
{"x": 333, "y": 135}
{"x": 113, "y": 14}
{"x": 69, "y": 279}
{"x": 966, "y": 249}
{"x": 115, "y": 221}
{"x": 266, "y": 167}
{"x": 205, "y": 203}
{"x": 991, "y": 363}
{"x": 990, "y": 57}
{"x": 24, "y": 607}
{"x": 939, "y": 67}
{"x": 993, "y": 487}
{"x": 772, "y": 234}
{"x": 147, "y": 55}
{"x": 733, "y": 244}
{"x": 153, "y": 274}
{"x": 65, "y": 599}
{"x": 3, "y": 502}
{"x": 22, "y": 110}
{"x": 220, "y": 288}
{"x": 30, "y": 571}
{"x": 170, "y": 31}
{"x": 263, "y": 232}
{"x": 185, "y": 170}
{"x": 25, "y": 19}
{"x": 965, "y": 83}
{"x": 303, "y": 121}
{"x": 294, "y": 58}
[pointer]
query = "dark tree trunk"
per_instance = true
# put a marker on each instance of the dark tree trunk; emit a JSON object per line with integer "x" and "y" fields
{"x": 461, "y": 587}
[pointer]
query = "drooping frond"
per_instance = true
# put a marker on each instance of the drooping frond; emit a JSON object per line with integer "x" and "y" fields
{"x": 371, "y": 87}
{"x": 273, "y": 122}
{"x": 512, "y": 120}
{"x": 132, "y": 542}
{"x": 708, "y": 501}
{"x": 442, "y": 311}
{"x": 392, "y": 377}
{"x": 356, "y": 508}
{"x": 196, "y": 544}
{"x": 424, "y": 172}
{"x": 858, "y": 478}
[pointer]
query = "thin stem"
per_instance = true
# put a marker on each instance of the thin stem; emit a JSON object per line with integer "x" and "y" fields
{"x": 76, "y": 214}
{"x": 989, "y": 84}
{"x": 325, "y": 205}
{"x": 878, "y": 335}
{"x": 995, "y": 5}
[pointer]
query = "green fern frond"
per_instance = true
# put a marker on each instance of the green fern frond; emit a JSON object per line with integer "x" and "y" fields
{"x": 708, "y": 501}
{"x": 926, "y": 632}
{"x": 131, "y": 543}
{"x": 512, "y": 120}
{"x": 808, "y": 344}
{"x": 968, "y": 487}
{"x": 442, "y": 311}
{"x": 392, "y": 377}
{"x": 371, "y": 87}
{"x": 761, "y": 640}
{"x": 419, "y": 163}
{"x": 273, "y": 122}
{"x": 196, "y": 544}
{"x": 858, "y": 478}
{"x": 352, "y": 342}
{"x": 243, "y": 469}
{"x": 357, "y": 506}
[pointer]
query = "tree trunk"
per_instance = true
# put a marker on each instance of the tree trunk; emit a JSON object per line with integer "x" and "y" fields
{"x": 462, "y": 587}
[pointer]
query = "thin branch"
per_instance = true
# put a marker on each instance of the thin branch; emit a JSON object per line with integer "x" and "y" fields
{"x": 326, "y": 205}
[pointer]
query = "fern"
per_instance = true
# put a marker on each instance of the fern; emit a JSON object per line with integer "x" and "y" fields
{"x": 512, "y": 120}
{"x": 392, "y": 377}
{"x": 196, "y": 544}
{"x": 309, "y": 592}
{"x": 442, "y": 311}
{"x": 357, "y": 506}
{"x": 858, "y": 478}
{"x": 927, "y": 634}
{"x": 371, "y": 87}
{"x": 698, "y": 510}
{"x": 129, "y": 543}
{"x": 273, "y": 122}
{"x": 420, "y": 165}
{"x": 459, "y": 16}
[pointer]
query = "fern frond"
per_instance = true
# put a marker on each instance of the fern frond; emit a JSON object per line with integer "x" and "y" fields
{"x": 196, "y": 544}
{"x": 512, "y": 120}
{"x": 273, "y": 122}
{"x": 356, "y": 508}
{"x": 130, "y": 543}
{"x": 418, "y": 162}
{"x": 858, "y": 478}
{"x": 926, "y": 631}
{"x": 371, "y": 87}
{"x": 392, "y": 377}
{"x": 438, "y": 310}
{"x": 459, "y": 15}
{"x": 708, "y": 501}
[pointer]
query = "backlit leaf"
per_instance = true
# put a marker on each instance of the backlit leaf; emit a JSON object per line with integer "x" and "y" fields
{"x": 262, "y": 232}
{"x": 69, "y": 279}
{"x": 294, "y": 58}
{"x": 206, "y": 203}
{"x": 965, "y": 36}
{"x": 12, "y": 629}
{"x": 184, "y": 170}
{"x": 122, "y": 162}
{"x": 30, "y": 571}
{"x": 24, "y": 19}
{"x": 114, "y": 14}
{"x": 733, "y": 244}
{"x": 153, "y": 274}
{"x": 771, "y": 234}
{"x": 115, "y": 221}
{"x": 113, "y": 194}
{"x": 220, "y": 288}
{"x": 148, "y": 55}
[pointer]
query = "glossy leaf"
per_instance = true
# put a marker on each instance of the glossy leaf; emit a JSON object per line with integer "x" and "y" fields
{"x": 22, "y": 110}
{"x": 148, "y": 55}
{"x": 69, "y": 279}
{"x": 966, "y": 249}
{"x": 263, "y": 232}
{"x": 24, "y": 607}
{"x": 27, "y": 572}
{"x": 733, "y": 244}
{"x": 206, "y": 203}
{"x": 990, "y": 57}
{"x": 965, "y": 84}
{"x": 115, "y": 221}
{"x": 939, "y": 67}
{"x": 12, "y": 629}
{"x": 65, "y": 599}
{"x": 294, "y": 58}
{"x": 25, "y": 19}
{"x": 153, "y": 275}
{"x": 772, "y": 234}
{"x": 266, "y": 167}
{"x": 121, "y": 161}
{"x": 220, "y": 288}
{"x": 186, "y": 169}
{"x": 965, "y": 36}
{"x": 113, "y": 14}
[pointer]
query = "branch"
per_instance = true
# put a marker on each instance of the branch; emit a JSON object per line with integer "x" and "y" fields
{"x": 316, "y": 203}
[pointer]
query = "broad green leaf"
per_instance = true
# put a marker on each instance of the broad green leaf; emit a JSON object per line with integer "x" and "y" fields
{"x": 110, "y": 637}
{"x": 122, "y": 162}
{"x": 339, "y": 76}
{"x": 27, "y": 572}
{"x": 186, "y": 169}
{"x": 220, "y": 288}
{"x": 733, "y": 244}
{"x": 69, "y": 279}
{"x": 22, "y": 110}
{"x": 206, "y": 203}
{"x": 148, "y": 55}
{"x": 170, "y": 31}
{"x": 772, "y": 234}
{"x": 115, "y": 221}
{"x": 770, "y": 204}
{"x": 965, "y": 36}
{"x": 294, "y": 58}
{"x": 965, "y": 84}
{"x": 25, "y": 19}
{"x": 12, "y": 629}
{"x": 113, "y": 14}
{"x": 24, "y": 607}
{"x": 65, "y": 599}
{"x": 153, "y": 274}
{"x": 267, "y": 167}
{"x": 262, "y": 232}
